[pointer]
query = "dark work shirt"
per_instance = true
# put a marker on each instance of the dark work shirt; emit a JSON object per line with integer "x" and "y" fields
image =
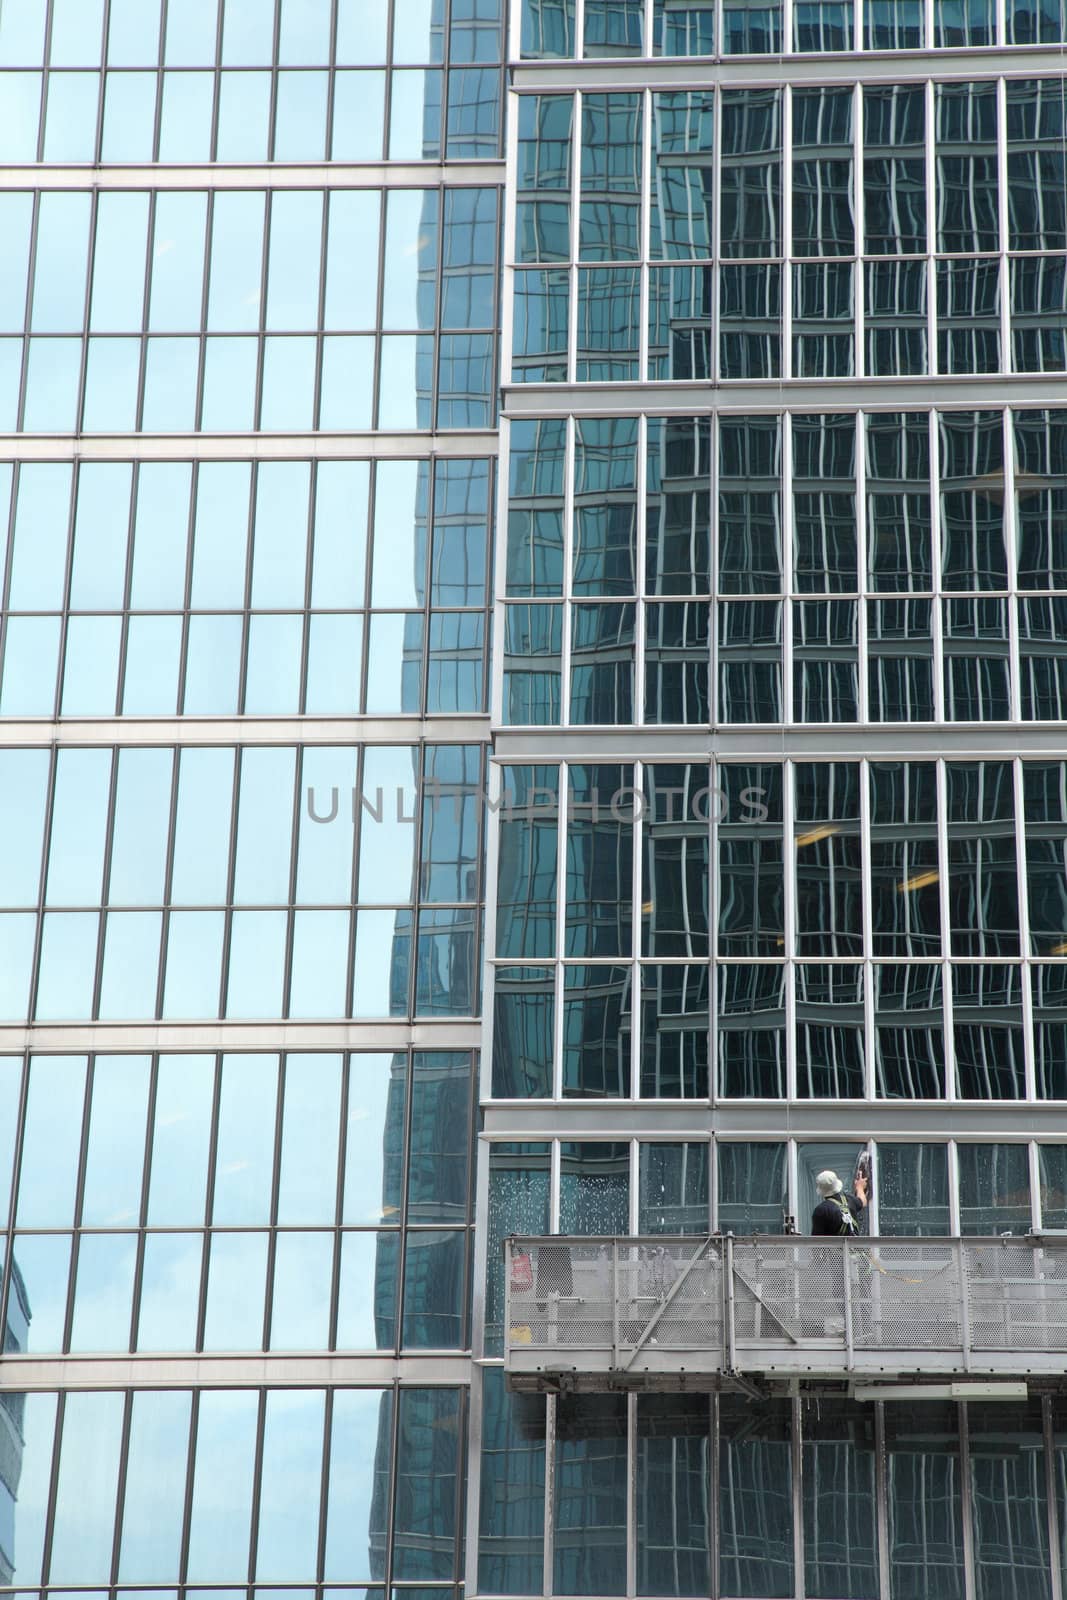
{"x": 827, "y": 1218}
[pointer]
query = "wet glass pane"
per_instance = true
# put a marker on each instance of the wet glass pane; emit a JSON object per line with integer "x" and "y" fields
{"x": 170, "y": 1291}
{"x": 1009, "y": 1499}
{"x": 994, "y": 1188}
{"x": 673, "y": 1193}
{"x": 428, "y": 1481}
{"x": 751, "y": 1188}
{"x": 597, "y": 1008}
{"x": 223, "y": 1471}
{"x": 85, "y": 1493}
{"x": 244, "y": 1155}
{"x": 51, "y": 1139}
{"x": 594, "y": 1188}
{"x": 237, "y": 1275}
{"x": 519, "y": 1204}
{"x": 838, "y": 1480}
{"x": 590, "y": 1492}
{"x": 103, "y": 1292}
{"x": 909, "y": 1058}
{"x": 361, "y": 1437}
{"x": 368, "y": 1291}
{"x": 755, "y": 1500}
{"x": 184, "y": 1093}
{"x": 307, "y": 1185}
{"x": 290, "y": 1484}
{"x": 155, "y": 1487}
{"x": 435, "y": 1277}
{"x": 673, "y": 1510}
{"x": 512, "y": 1490}
{"x": 912, "y": 1187}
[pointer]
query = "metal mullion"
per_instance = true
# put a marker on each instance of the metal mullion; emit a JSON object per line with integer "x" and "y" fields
{"x": 859, "y": 287}
{"x": 1036, "y": 1206}
{"x": 231, "y": 872}
{"x": 714, "y": 904}
{"x": 637, "y": 843}
{"x": 966, "y": 1499}
{"x": 491, "y": 851}
{"x": 553, "y": 1184}
{"x": 630, "y": 1401}
{"x": 187, "y": 1496}
{"x": 785, "y": 222}
{"x": 646, "y": 225}
{"x": 788, "y": 536}
{"x": 1025, "y": 946}
{"x": 881, "y": 1501}
{"x": 548, "y": 1549}
{"x": 1054, "y": 1545}
{"x": 290, "y": 910}
{"x": 1003, "y": 217}
{"x": 796, "y": 1462}
{"x": 577, "y": 103}
{"x": 498, "y": 593}
{"x": 641, "y": 606}
{"x": 168, "y": 877}
{"x": 75, "y": 485}
{"x": 209, "y": 253}
{"x": 313, "y": 490}
{"x": 579, "y": 29}
{"x": 715, "y": 268}
{"x": 941, "y": 781}
{"x": 275, "y": 56}
{"x": 53, "y": 1485}
{"x": 105, "y": 890}
{"x": 953, "y": 1188}
{"x": 928, "y": 23}
{"x": 930, "y": 150}
{"x": 83, "y": 360}
{"x": 936, "y": 606}
{"x": 868, "y": 932}
{"x": 480, "y": 1192}
{"x": 257, "y": 1482}
{"x": 353, "y": 890}
{"x": 860, "y": 502}
{"x": 787, "y": 29}
{"x": 331, "y": 87}
{"x": 324, "y": 1481}
{"x": 563, "y": 809}
{"x": 261, "y": 324}
{"x": 372, "y": 485}
{"x": 250, "y": 546}
{"x": 216, "y": 83}
{"x": 1012, "y": 551}
{"x": 320, "y": 335}
{"x": 42, "y": 885}
{"x": 570, "y": 454}
{"x": 470, "y": 1521}
{"x": 713, "y": 541}
{"x": 127, "y": 579}
{"x": 789, "y": 852}
{"x": 120, "y": 1486}
{"x": 402, "y": 1235}
{"x": 7, "y": 1234}
{"x": 79, "y": 1196}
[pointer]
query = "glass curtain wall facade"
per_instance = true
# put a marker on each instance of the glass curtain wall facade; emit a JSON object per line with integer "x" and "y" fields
{"x": 249, "y": 328}
{"x": 777, "y": 871}
{"x": 534, "y": 632}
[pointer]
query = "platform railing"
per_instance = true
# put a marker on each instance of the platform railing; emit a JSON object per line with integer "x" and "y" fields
{"x": 683, "y": 1312}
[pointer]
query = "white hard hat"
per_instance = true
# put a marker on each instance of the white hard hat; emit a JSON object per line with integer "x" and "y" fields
{"x": 828, "y": 1183}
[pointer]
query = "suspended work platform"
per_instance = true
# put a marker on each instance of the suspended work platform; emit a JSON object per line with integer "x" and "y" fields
{"x": 690, "y": 1313}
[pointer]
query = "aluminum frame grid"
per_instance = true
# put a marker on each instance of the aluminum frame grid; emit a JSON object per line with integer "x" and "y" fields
{"x": 637, "y": 54}
{"x": 436, "y": 471}
{"x": 936, "y": 262}
{"x": 348, "y": 42}
{"x": 1012, "y": 601}
{"x": 303, "y": 814}
{"x": 633, "y": 815}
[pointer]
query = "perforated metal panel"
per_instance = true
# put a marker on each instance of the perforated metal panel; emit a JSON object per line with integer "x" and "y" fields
{"x": 680, "y": 1312}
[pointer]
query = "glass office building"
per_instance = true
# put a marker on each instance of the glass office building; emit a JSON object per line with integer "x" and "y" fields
{"x": 533, "y": 698}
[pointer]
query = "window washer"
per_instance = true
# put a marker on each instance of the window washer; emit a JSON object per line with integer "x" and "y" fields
{"x": 837, "y": 1213}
